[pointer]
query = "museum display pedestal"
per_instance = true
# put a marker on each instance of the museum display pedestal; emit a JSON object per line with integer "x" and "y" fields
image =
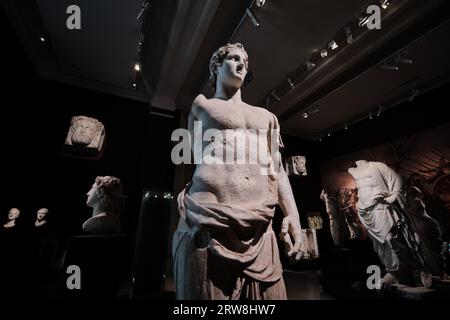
{"x": 439, "y": 290}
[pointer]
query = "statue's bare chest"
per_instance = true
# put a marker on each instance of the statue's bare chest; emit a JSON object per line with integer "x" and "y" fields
{"x": 227, "y": 116}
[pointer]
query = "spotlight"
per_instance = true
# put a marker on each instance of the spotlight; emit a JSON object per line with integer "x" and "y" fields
{"x": 346, "y": 127}
{"x": 414, "y": 93}
{"x": 137, "y": 66}
{"x": 260, "y": 3}
{"x": 274, "y": 95}
{"x": 42, "y": 39}
{"x": 329, "y": 134}
{"x": 323, "y": 53}
{"x": 314, "y": 110}
{"x": 363, "y": 21}
{"x": 291, "y": 84}
{"x": 305, "y": 115}
{"x": 370, "y": 116}
{"x": 348, "y": 33}
{"x": 320, "y": 139}
{"x": 380, "y": 110}
{"x": 134, "y": 85}
{"x": 385, "y": 4}
{"x": 310, "y": 65}
{"x": 333, "y": 45}
{"x": 403, "y": 59}
{"x": 252, "y": 17}
{"x": 389, "y": 67}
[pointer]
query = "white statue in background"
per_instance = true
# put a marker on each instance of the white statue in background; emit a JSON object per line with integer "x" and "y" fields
{"x": 41, "y": 217}
{"x": 13, "y": 215}
{"x": 86, "y": 132}
{"x": 383, "y": 210}
{"x": 107, "y": 201}
{"x": 338, "y": 226}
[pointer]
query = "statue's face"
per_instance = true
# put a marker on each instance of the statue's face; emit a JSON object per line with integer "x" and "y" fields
{"x": 84, "y": 133}
{"x": 300, "y": 164}
{"x": 13, "y": 214}
{"x": 232, "y": 71}
{"x": 93, "y": 197}
{"x": 42, "y": 214}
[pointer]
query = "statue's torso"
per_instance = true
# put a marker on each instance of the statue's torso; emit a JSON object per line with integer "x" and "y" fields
{"x": 366, "y": 182}
{"x": 237, "y": 178}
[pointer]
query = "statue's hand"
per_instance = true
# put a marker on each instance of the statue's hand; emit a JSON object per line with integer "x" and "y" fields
{"x": 385, "y": 197}
{"x": 391, "y": 199}
{"x": 291, "y": 228}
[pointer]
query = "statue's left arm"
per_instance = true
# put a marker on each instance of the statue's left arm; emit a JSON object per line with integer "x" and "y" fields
{"x": 291, "y": 232}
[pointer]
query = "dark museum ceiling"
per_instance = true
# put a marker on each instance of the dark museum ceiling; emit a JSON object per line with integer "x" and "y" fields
{"x": 179, "y": 37}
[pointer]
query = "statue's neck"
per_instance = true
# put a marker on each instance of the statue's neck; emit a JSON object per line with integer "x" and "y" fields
{"x": 99, "y": 209}
{"x": 39, "y": 223}
{"x": 228, "y": 94}
{"x": 10, "y": 224}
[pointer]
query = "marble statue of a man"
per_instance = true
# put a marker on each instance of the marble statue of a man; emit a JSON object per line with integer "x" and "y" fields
{"x": 107, "y": 200}
{"x": 384, "y": 211}
{"x": 337, "y": 223}
{"x": 224, "y": 246}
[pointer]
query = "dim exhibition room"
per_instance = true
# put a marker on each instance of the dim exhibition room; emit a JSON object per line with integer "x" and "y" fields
{"x": 167, "y": 150}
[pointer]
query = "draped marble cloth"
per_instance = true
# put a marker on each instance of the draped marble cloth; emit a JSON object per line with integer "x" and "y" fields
{"x": 404, "y": 217}
{"x": 222, "y": 251}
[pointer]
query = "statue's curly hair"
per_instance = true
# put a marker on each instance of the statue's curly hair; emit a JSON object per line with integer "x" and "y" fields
{"x": 217, "y": 59}
{"x": 108, "y": 187}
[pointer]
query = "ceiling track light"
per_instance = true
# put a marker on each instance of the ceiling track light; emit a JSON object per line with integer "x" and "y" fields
{"x": 274, "y": 95}
{"x": 310, "y": 65}
{"x": 323, "y": 53}
{"x": 305, "y": 115}
{"x": 401, "y": 58}
{"x": 137, "y": 66}
{"x": 329, "y": 134}
{"x": 389, "y": 67}
{"x": 260, "y": 3}
{"x": 370, "y": 116}
{"x": 346, "y": 127}
{"x": 385, "y": 4}
{"x": 363, "y": 21}
{"x": 144, "y": 8}
{"x": 414, "y": 94}
{"x": 349, "y": 35}
{"x": 380, "y": 110}
{"x": 289, "y": 81}
{"x": 140, "y": 42}
{"x": 252, "y": 17}
{"x": 333, "y": 45}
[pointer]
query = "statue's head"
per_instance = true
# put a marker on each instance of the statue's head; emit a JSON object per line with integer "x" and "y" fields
{"x": 13, "y": 214}
{"x": 106, "y": 191}
{"x": 42, "y": 214}
{"x": 84, "y": 130}
{"x": 235, "y": 68}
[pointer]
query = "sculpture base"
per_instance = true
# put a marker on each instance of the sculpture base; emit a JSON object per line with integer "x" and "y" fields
{"x": 439, "y": 290}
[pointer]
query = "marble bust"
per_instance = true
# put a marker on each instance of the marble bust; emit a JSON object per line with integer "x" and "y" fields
{"x": 85, "y": 132}
{"x": 224, "y": 246}
{"x": 13, "y": 215}
{"x": 107, "y": 201}
{"x": 41, "y": 217}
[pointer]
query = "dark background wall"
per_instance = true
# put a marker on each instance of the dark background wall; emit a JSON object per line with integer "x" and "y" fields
{"x": 36, "y": 116}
